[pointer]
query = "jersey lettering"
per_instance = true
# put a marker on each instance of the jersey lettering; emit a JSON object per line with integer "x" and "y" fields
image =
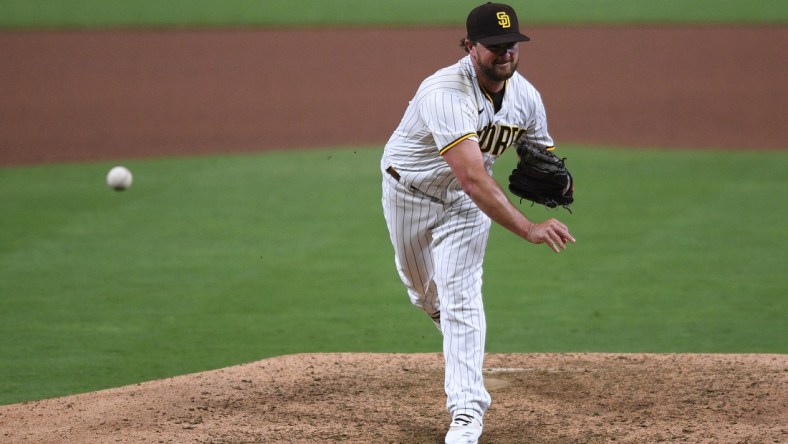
{"x": 495, "y": 139}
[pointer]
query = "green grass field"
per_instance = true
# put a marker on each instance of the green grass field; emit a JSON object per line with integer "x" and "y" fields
{"x": 213, "y": 261}
{"x": 81, "y": 13}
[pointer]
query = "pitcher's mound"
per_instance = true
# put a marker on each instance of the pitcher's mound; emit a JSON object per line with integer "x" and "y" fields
{"x": 398, "y": 398}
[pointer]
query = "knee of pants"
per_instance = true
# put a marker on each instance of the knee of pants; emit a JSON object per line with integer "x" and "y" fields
{"x": 463, "y": 310}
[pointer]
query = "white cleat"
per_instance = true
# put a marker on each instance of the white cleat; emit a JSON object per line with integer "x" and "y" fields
{"x": 464, "y": 429}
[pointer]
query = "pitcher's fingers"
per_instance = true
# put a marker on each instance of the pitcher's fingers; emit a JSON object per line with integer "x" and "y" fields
{"x": 557, "y": 242}
{"x": 565, "y": 236}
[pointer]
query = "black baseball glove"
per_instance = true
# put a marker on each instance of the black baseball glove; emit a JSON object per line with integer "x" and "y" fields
{"x": 541, "y": 177}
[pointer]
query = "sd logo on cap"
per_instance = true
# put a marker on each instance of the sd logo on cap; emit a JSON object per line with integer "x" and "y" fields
{"x": 493, "y": 24}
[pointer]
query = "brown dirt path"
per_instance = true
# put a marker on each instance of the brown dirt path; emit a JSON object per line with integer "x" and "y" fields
{"x": 387, "y": 398}
{"x": 84, "y": 95}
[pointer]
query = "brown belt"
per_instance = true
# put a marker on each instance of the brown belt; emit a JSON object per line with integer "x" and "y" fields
{"x": 393, "y": 173}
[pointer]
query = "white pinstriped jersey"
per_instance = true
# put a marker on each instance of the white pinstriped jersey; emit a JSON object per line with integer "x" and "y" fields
{"x": 451, "y": 106}
{"x": 438, "y": 233}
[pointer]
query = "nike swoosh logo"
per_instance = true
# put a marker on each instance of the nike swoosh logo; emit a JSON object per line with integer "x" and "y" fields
{"x": 481, "y": 110}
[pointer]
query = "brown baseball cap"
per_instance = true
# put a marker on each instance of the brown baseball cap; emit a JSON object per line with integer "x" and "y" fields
{"x": 493, "y": 24}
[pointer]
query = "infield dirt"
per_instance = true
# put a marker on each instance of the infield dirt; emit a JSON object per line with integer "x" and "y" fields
{"x": 84, "y": 95}
{"x": 93, "y": 95}
{"x": 385, "y": 398}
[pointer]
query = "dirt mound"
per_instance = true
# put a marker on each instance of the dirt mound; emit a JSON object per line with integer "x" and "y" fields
{"x": 398, "y": 398}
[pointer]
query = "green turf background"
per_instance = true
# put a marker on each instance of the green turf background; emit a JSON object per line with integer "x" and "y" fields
{"x": 213, "y": 261}
{"x": 79, "y": 13}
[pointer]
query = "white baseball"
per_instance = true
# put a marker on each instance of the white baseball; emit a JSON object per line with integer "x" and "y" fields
{"x": 119, "y": 178}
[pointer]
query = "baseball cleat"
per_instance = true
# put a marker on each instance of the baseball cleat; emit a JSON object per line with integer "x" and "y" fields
{"x": 464, "y": 429}
{"x": 436, "y": 319}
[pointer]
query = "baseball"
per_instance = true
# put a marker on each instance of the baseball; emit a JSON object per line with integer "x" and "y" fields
{"x": 119, "y": 178}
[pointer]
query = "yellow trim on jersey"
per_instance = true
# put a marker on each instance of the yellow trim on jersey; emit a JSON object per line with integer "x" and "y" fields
{"x": 484, "y": 90}
{"x": 550, "y": 148}
{"x": 453, "y": 144}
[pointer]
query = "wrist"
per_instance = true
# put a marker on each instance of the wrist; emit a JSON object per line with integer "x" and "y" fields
{"x": 529, "y": 230}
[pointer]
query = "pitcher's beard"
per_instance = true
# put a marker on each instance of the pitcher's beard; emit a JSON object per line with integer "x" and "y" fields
{"x": 497, "y": 73}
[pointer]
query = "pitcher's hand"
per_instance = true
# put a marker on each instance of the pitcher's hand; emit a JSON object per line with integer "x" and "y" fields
{"x": 551, "y": 232}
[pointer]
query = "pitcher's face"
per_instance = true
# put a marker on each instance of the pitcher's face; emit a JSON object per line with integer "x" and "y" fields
{"x": 497, "y": 63}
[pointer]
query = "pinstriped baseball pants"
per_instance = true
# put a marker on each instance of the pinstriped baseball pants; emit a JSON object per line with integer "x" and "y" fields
{"x": 439, "y": 247}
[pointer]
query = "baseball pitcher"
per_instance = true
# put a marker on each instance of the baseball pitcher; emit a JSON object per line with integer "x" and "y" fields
{"x": 439, "y": 196}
